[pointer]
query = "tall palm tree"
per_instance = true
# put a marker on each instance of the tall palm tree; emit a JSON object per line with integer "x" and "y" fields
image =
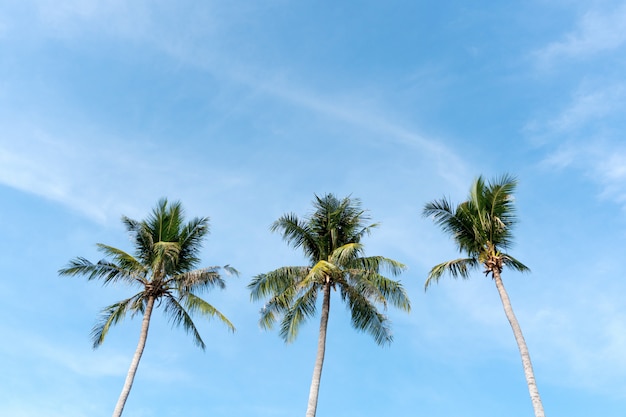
{"x": 166, "y": 253}
{"x": 331, "y": 240}
{"x": 482, "y": 229}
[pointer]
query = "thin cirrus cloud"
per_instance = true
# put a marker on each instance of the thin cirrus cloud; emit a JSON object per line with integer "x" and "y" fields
{"x": 581, "y": 139}
{"x": 595, "y": 32}
{"x": 585, "y": 133}
{"x": 46, "y": 171}
{"x": 61, "y": 170}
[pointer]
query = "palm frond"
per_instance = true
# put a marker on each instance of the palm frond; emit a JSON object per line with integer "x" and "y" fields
{"x": 178, "y": 316}
{"x": 344, "y": 254}
{"x": 123, "y": 259}
{"x": 456, "y": 268}
{"x": 377, "y": 264}
{"x": 381, "y": 289}
{"x": 276, "y": 282}
{"x": 276, "y": 307}
{"x": 282, "y": 287}
{"x": 455, "y": 222}
{"x": 191, "y": 237}
{"x": 165, "y": 255}
{"x": 299, "y": 311}
{"x": 513, "y": 263}
{"x": 499, "y": 194}
{"x": 366, "y": 317}
{"x": 196, "y": 304}
{"x": 319, "y": 273}
{"x": 297, "y": 233}
{"x": 200, "y": 279}
{"x": 105, "y": 270}
{"x": 112, "y": 315}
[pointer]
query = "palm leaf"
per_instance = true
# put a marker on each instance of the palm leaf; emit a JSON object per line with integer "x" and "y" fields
{"x": 277, "y": 305}
{"x": 345, "y": 253}
{"x": 105, "y": 270}
{"x": 382, "y": 289}
{"x": 178, "y": 316}
{"x": 297, "y": 233}
{"x": 196, "y": 304}
{"x": 113, "y": 314}
{"x": 514, "y": 263}
{"x": 275, "y": 282}
{"x": 301, "y": 309}
{"x": 456, "y": 268}
{"x": 365, "y": 316}
{"x": 199, "y": 279}
{"x": 376, "y": 264}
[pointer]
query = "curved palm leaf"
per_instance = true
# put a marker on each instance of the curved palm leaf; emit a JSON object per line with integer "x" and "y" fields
{"x": 514, "y": 263}
{"x": 113, "y": 314}
{"x": 380, "y": 289}
{"x": 456, "y": 268}
{"x": 105, "y": 270}
{"x": 195, "y": 304}
{"x": 365, "y": 316}
{"x": 277, "y": 281}
{"x": 298, "y": 312}
{"x": 200, "y": 279}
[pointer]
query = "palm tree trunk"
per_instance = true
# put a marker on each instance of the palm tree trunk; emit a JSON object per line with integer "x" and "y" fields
{"x": 521, "y": 344}
{"x": 136, "y": 358}
{"x": 321, "y": 349}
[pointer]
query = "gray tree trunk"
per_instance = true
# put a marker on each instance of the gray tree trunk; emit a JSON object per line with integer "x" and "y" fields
{"x": 145, "y": 324}
{"x": 321, "y": 349}
{"x": 521, "y": 344}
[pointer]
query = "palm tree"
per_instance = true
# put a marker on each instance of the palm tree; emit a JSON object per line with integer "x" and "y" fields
{"x": 331, "y": 240}
{"x": 166, "y": 253}
{"x": 482, "y": 229}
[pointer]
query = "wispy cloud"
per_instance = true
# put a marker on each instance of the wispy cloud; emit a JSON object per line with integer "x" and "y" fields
{"x": 585, "y": 135}
{"x": 595, "y": 32}
{"x": 585, "y": 349}
{"x": 88, "y": 175}
{"x": 589, "y": 105}
{"x": 61, "y": 170}
{"x": 603, "y": 161}
{"x": 115, "y": 17}
{"x": 374, "y": 121}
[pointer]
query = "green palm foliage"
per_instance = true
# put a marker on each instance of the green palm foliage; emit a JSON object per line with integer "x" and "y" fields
{"x": 331, "y": 240}
{"x": 482, "y": 227}
{"x": 163, "y": 271}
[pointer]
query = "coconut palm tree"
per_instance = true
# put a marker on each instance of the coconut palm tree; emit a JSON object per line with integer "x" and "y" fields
{"x": 482, "y": 229}
{"x": 162, "y": 268}
{"x": 331, "y": 240}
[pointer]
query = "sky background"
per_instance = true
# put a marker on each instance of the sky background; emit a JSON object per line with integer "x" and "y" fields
{"x": 243, "y": 111}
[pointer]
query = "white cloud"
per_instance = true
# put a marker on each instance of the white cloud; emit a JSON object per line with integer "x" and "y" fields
{"x": 357, "y": 111}
{"x": 590, "y": 105}
{"x": 60, "y": 170}
{"x": 595, "y": 32}
{"x": 586, "y": 135}
{"x": 604, "y": 162}
{"x": 583, "y": 343}
{"x": 116, "y": 17}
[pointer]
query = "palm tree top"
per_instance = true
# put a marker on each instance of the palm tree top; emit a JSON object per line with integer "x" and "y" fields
{"x": 333, "y": 223}
{"x": 330, "y": 237}
{"x": 166, "y": 253}
{"x": 165, "y": 234}
{"x": 481, "y": 227}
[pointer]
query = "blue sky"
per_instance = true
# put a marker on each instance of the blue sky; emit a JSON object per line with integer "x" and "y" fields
{"x": 245, "y": 110}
